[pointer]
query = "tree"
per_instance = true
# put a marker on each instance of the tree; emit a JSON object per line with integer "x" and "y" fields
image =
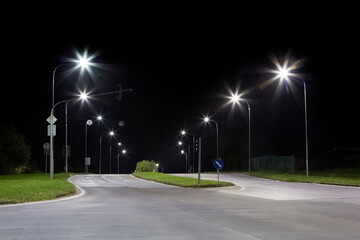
{"x": 15, "y": 152}
{"x": 146, "y": 166}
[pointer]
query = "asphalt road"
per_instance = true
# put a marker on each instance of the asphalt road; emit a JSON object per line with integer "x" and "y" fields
{"x": 124, "y": 207}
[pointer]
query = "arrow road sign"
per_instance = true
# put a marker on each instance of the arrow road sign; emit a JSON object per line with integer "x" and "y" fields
{"x": 219, "y": 163}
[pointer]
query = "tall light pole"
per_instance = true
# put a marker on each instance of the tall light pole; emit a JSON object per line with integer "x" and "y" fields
{"x": 186, "y": 158}
{"x": 184, "y": 133}
{"x": 284, "y": 72}
{"x": 180, "y": 143}
{"x": 111, "y": 133}
{"x": 52, "y": 120}
{"x": 207, "y": 120}
{"x": 66, "y": 138}
{"x": 87, "y": 160}
{"x": 123, "y": 152}
{"x": 235, "y": 98}
{"x": 119, "y": 144}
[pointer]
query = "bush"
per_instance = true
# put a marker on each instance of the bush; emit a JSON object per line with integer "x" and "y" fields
{"x": 146, "y": 166}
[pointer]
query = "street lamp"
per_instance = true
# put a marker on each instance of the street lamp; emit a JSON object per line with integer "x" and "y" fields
{"x": 82, "y": 62}
{"x": 111, "y": 133}
{"x": 123, "y": 153}
{"x": 284, "y": 72}
{"x": 180, "y": 143}
{"x": 52, "y": 120}
{"x": 119, "y": 144}
{"x": 235, "y": 98}
{"x": 208, "y": 120}
{"x": 87, "y": 159}
{"x": 184, "y": 133}
{"x": 186, "y": 157}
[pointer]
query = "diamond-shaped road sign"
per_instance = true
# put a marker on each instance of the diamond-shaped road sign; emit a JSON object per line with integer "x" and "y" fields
{"x": 51, "y": 119}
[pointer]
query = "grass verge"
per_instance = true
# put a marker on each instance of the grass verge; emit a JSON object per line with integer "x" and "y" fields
{"x": 179, "y": 181}
{"x": 29, "y": 187}
{"x": 346, "y": 177}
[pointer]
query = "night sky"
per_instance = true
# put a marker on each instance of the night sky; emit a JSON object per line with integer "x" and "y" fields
{"x": 180, "y": 61}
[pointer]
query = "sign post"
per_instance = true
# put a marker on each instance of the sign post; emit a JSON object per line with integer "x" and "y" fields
{"x": 51, "y": 120}
{"x": 218, "y": 164}
{"x": 46, "y": 147}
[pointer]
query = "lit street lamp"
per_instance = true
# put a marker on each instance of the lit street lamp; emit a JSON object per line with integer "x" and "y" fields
{"x": 52, "y": 120}
{"x": 283, "y": 72}
{"x": 118, "y": 155}
{"x": 180, "y": 143}
{"x": 111, "y": 133}
{"x": 184, "y": 133}
{"x": 235, "y": 98}
{"x": 207, "y": 120}
{"x": 186, "y": 158}
{"x": 119, "y": 144}
{"x": 82, "y": 62}
{"x": 87, "y": 160}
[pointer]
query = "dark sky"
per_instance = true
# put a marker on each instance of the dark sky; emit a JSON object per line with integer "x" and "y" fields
{"x": 179, "y": 60}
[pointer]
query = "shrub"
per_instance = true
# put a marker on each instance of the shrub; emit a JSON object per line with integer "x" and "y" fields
{"x": 146, "y": 166}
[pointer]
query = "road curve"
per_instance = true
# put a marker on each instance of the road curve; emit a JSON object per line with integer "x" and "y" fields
{"x": 124, "y": 207}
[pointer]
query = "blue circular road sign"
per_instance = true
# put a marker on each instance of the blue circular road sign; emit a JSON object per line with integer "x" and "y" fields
{"x": 219, "y": 163}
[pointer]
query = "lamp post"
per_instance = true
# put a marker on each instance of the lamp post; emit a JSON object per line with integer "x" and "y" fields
{"x": 235, "y": 98}
{"x": 180, "y": 143}
{"x": 118, "y": 155}
{"x": 283, "y": 72}
{"x": 186, "y": 158}
{"x": 66, "y": 138}
{"x": 87, "y": 160}
{"x": 111, "y": 133}
{"x": 119, "y": 144}
{"x": 52, "y": 120}
{"x": 184, "y": 133}
{"x": 206, "y": 120}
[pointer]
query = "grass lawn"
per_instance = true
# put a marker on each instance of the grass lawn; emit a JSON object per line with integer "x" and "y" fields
{"x": 347, "y": 177}
{"x": 20, "y": 188}
{"x": 180, "y": 181}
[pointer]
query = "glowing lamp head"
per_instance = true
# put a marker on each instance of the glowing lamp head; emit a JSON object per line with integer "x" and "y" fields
{"x": 183, "y": 132}
{"x": 111, "y": 133}
{"x": 206, "y": 119}
{"x": 182, "y": 152}
{"x": 99, "y": 117}
{"x": 123, "y": 151}
{"x": 83, "y": 96}
{"x": 283, "y": 73}
{"x": 119, "y": 143}
{"x": 83, "y": 62}
{"x": 180, "y": 143}
{"x": 235, "y": 98}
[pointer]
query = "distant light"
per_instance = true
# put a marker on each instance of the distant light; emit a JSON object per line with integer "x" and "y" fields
{"x": 183, "y": 132}
{"x": 180, "y": 143}
{"x": 99, "y": 117}
{"x": 111, "y": 133}
{"x": 182, "y": 152}
{"x": 119, "y": 143}
{"x": 123, "y": 151}
{"x": 206, "y": 119}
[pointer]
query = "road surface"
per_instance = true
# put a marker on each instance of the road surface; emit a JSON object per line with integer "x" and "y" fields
{"x": 124, "y": 207}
